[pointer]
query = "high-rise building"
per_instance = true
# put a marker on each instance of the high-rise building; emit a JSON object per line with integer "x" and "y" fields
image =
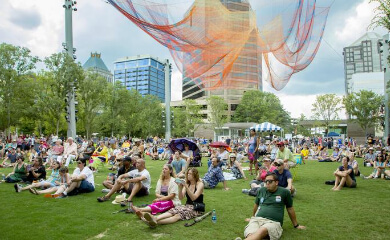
{"x": 96, "y": 64}
{"x": 143, "y": 73}
{"x": 245, "y": 74}
{"x": 361, "y": 58}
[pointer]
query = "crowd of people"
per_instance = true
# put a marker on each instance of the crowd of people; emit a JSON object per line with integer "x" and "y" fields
{"x": 270, "y": 162}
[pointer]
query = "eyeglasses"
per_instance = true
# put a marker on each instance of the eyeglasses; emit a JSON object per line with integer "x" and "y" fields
{"x": 78, "y": 162}
{"x": 269, "y": 181}
{"x": 279, "y": 146}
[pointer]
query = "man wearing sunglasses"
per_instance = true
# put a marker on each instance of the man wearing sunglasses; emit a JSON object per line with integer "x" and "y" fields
{"x": 82, "y": 180}
{"x": 268, "y": 211}
{"x": 284, "y": 176}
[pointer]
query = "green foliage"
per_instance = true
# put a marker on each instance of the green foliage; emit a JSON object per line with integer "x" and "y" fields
{"x": 257, "y": 106}
{"x": 218, "y": 108}
{"x": 92, "y": 94}
{"x": 326, "y": 108}
{"x": 382, "y": 14}
{"x": 302, "y": 129}
{"x": 16, "y": 64}
{"x": 364, "y": 107}
{"x": 186, "y": 117}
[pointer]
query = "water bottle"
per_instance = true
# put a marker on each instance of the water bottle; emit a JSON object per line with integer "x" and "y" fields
{"x": 214, "y": 216}
{"x": 3, "y": 177}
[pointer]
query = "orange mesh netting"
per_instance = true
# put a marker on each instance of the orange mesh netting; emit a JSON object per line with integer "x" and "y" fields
{"x": 216, "y": 43}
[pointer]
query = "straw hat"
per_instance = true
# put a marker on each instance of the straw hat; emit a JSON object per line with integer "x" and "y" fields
{"x": 119, "y": 199}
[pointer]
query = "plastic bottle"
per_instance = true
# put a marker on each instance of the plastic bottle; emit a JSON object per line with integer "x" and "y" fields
{"x": 3, "y": 177}
{"x": 214, "y": 216}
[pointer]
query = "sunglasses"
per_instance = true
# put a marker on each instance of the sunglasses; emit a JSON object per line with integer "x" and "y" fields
{"x": 269, "y": 181}
{"x": 279, "y": 146}
{"x": 78, "y": 162}
{"x": 277, "y": 164}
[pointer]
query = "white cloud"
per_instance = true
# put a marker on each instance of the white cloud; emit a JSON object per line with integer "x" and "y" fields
{"x": 356, "y": 25}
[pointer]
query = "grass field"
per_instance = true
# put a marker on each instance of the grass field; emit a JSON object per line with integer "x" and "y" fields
{"x": 360, "y": 213}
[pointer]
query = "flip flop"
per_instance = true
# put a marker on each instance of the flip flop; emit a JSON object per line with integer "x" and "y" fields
{"x": 33, "y": 191}
{"x": 152, "y": 222}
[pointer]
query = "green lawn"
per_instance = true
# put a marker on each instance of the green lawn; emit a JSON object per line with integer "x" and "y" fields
{"x": 360, "y": 213}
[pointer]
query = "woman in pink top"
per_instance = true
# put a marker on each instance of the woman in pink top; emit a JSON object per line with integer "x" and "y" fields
{"x": 265, "y": 168}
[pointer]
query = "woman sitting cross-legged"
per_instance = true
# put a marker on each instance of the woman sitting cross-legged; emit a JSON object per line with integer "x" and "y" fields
{"x": 52, "y": 181}
{"x": 167, "y": 194}
{"x": 193, "y": 190}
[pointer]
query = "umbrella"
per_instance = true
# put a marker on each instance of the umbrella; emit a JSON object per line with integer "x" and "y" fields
{"x": 178, "y": 144}
{"x": 266, "y": 127}
{"x": 220, "y": 144}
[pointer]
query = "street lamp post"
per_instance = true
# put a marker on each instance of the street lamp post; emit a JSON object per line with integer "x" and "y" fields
{"x": 68, "y": 46}
{"x": 167, "y": 69}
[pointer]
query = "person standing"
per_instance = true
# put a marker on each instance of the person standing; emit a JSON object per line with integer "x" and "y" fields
{"x": 253, "y": 146}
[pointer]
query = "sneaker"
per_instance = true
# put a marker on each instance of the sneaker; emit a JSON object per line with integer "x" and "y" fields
{"x": 62, "y": 196}
{"x": 245, "y": 191}
{"x": 18, "y": 188}
{"x": 105, "y": 190}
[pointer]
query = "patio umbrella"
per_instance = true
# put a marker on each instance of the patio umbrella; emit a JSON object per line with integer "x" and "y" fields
{"x": 178, "y": 144}
{"x": 220, "y": 144}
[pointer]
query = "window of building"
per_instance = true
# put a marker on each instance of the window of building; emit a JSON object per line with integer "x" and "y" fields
{"x": 120, "y": 65}
{"x": 143, "y": 62}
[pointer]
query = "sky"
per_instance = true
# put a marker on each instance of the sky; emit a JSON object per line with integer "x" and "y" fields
{"x": 98, "y": 27}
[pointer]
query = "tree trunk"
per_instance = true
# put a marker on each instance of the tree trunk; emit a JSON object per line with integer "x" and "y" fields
{"x": 57, "y": 126}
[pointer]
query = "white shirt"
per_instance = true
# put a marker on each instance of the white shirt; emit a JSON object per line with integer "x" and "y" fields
{"x": 146, "y": 182}
{"x": 188, "y": 153}
{"x": 87, "y": 172}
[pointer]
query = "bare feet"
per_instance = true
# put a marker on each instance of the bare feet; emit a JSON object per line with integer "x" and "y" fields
{"x": 137, "y": 212}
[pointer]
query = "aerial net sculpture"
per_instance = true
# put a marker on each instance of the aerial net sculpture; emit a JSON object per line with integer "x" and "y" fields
{"x": 216, "y": 43}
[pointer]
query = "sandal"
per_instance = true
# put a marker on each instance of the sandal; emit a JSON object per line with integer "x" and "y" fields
{"x": 33, "y": 191}
{"x": 103, "y": 199}
{"x": 152, "y": 222}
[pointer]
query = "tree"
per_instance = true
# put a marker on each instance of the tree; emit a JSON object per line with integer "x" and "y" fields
{"x": 186, "y": 117}
{"x": 218, "y": 108}
{"x": 63, "y": 75}
{"x": 93, "y": 92}
{"x": 326, "y": 108}
{"x": 364, "y": 107}
{"x": 257, "y": 106}
{"x": 382, "y": 14}
{"x": 302, "y": 129}
{"x": 16, "y": 64}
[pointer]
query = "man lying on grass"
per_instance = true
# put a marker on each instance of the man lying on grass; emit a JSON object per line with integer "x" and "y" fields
{"x": 268, "y": 211}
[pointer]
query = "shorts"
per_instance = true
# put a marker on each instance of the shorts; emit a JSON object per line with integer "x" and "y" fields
{"x": 353, "y": 185}
{"x": 274, "y": 229}
{"x": 257, "y": 182}
{"x": 51, "y": 184}
{"x": 85, "y": 187}
{"x": 251, "y": 157}
{"x": 142, "y": 192}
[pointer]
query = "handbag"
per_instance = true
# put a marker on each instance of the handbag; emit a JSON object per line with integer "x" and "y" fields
{"x": 199, "y": 207}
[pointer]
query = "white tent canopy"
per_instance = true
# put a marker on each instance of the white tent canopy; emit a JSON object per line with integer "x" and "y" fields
{"x": 267, "y": 127}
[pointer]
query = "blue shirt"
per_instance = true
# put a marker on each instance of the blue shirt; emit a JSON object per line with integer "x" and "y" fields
{"x": 286, "y": 174}
{"x": 178, "y": 165}
{"x": 213, "y": 176}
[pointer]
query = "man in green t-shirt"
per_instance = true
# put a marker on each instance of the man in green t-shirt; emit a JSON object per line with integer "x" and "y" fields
{"x": 285, "y": 154}
{"x": 268, "y": 211}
